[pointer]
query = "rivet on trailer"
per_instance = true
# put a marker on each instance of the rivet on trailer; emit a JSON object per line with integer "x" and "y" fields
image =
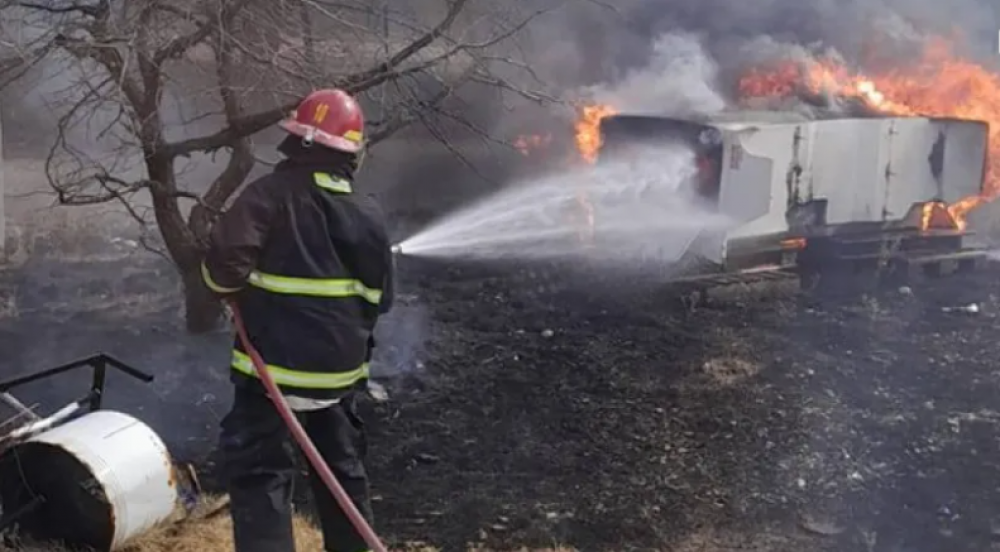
{"x": 83, "y": 475}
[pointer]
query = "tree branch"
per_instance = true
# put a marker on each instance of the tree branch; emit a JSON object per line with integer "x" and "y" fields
{"x": 149, "y": 69}
{"x": 408, "y": 116}
{"x": 99, "y": 10}
{"x": 107, "y": 56}
{"x": 241, "y": 159}
{"x": 245, "y": 126}
{"x": 202, "y": 32}
{"x": 14, "y": 68}
{"x": 355, "y": 83}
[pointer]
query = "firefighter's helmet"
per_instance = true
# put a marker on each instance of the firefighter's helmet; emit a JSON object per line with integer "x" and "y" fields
{"x": 330, "y": 118}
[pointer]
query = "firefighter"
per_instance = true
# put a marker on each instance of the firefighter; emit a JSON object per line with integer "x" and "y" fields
{"x": 308, "y": 261}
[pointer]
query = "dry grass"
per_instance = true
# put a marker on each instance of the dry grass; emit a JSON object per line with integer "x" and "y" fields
{"x": 200, "y": 533}
{"x": 208, "y": 529}
{"x": 36, "y": 225}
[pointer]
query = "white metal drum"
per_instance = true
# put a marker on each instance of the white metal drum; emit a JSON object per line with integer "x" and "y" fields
{"x": 129, "y": 462}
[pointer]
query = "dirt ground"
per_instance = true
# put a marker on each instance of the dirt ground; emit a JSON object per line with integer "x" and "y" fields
{"x": 534, "y": 407}
{"x": 563, "y": 409}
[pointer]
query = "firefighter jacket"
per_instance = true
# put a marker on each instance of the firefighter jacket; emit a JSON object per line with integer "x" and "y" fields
{"x": 310, "y": 264}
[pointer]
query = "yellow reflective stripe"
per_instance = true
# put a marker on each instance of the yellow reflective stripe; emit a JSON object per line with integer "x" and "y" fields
{"x": 327, "y": 182}
{"x": 211, "y": 283}
{"x": 316, "y": 287}
{"x": 302, "y": 380}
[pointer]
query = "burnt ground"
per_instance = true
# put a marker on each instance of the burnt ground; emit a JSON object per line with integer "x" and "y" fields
{"x": 535, "y": 407}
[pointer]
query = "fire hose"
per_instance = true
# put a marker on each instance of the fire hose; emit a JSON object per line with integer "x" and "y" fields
{"x": 302, "y": 438}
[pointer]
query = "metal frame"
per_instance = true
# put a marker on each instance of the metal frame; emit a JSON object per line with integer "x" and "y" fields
{"x": 94, "y": 399}
{"x": 100, "y": 364}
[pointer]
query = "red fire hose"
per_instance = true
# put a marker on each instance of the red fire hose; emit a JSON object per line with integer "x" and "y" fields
{"x": 302, "y": 438}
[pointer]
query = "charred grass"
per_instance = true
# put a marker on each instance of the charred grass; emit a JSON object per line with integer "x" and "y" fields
{"x": 574, "y": 411}
{"x": 551, "y": 410}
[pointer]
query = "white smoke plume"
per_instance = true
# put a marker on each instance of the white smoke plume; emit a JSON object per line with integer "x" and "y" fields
{"x": 681, "y": 78}
{"x": 611, "y": 44}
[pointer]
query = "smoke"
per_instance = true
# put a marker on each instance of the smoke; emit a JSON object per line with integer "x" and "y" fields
{"x": 667, "y": 56}
{"x": 675, "y": 57}
{"x": 648, "y": 56}
{"x": 681, "y": 78}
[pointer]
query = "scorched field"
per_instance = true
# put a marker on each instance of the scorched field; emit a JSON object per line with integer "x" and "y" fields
{"x": 533, "y": 409}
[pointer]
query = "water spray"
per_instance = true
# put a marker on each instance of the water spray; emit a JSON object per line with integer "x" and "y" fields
{"x": 619, "y": 213}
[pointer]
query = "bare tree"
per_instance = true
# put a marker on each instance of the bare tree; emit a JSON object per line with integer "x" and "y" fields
{"x": 157, "y": 82}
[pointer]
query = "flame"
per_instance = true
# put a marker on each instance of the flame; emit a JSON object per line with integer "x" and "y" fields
{"x": 588, "y": 143}
{"x": 939, "y": 85}
{"x": 936, "y": 214}
{"x": 529, "y": 143}
{"x": 926, "y": 213}
{"x": 588, "y": 130}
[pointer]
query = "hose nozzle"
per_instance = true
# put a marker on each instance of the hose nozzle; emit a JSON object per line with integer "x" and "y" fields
{"x": 397, "y": 249}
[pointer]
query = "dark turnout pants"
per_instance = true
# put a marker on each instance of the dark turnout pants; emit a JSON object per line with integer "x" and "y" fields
{"x": 259, "y": 469}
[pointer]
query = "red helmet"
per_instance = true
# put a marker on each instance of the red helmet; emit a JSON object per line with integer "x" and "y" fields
{"x": 331, "y": 118}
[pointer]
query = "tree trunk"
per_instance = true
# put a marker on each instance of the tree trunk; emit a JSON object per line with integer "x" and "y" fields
{"x": 202, "y": 311}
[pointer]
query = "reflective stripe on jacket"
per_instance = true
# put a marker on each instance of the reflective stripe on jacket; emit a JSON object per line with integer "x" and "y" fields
{"x": 302, "y": 380}
{"x": 310, "y": 264}
{"x": 317, "y": 287}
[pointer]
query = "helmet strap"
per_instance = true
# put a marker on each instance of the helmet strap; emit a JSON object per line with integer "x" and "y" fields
{"x": 309, "y": 138}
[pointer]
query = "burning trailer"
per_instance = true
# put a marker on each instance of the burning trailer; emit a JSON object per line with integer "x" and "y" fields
{"x": 837, "y": 200}
{"x": 84, "y": 476}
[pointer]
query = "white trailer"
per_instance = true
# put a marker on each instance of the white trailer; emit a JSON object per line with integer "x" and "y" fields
{"x": 814, "y": 196}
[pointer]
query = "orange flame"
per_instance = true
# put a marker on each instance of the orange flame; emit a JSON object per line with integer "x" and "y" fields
{"x": 588, "y": 144}
{"x": 926, "y": 214}
{"x": 937, "y": 214}
{"x": 939, "y": 85}
{"x": 588, "y": 130}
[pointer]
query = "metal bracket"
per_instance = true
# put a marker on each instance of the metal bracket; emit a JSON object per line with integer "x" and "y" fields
{"x": 99, "y": 363}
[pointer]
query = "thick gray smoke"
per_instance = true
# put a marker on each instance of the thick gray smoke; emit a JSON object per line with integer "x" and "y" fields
{"x": 681, "y": 78}
{"x": 673, "y": 56}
